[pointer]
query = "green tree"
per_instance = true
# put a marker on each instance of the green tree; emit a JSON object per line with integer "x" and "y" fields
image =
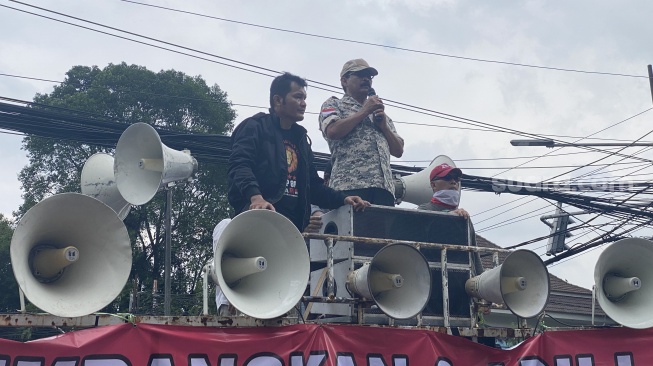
{"x": 9, "y": 301}
{"x": 167, "y": 99}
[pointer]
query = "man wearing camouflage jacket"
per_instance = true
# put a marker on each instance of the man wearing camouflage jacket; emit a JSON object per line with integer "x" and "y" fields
{"x": 361, "y": 137}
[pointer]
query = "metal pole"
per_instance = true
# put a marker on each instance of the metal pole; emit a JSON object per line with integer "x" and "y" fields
{"x": 155, "y": 290}
{"x": 445, "y": 287}
{"x": 166, "y": 270}
{"x": 546, "y": 217}
{"x": 133, "y": 297}
{"x": 21, "y": 296}
{"x": 594, "y": 292}
{"x": 551, "y": 143}
{"x": 331, "y": 290}
{"x": 650, "y": 79}
{"x": 602, "y": 144}
{"x": 205, "y": 290}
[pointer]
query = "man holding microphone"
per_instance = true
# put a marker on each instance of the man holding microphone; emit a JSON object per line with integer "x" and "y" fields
{"x": 361, "y": 137}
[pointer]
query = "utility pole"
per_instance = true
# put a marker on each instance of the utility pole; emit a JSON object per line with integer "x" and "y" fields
{"x": 650, "y": 79}
{"x": 559, "y": 232}
{"x": 168, "y": 253}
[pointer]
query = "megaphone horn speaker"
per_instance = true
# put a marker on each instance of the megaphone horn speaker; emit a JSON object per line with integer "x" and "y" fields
{"x": 398, "y": 280}
{"x": 262, "y": 272}
{"x": 143, "y": 164}
{"x": 623, "y": 282}
{"x": 521, "y": 283}
{"x": 99, "y": 182}
{"x": 416, "y": 188}
{"x": 71, "y": 255}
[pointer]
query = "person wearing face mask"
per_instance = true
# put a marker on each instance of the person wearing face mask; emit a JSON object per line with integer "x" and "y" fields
{"x": 445, "y": 183}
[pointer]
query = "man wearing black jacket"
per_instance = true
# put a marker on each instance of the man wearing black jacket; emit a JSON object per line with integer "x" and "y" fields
{"x": 271, "y": 162}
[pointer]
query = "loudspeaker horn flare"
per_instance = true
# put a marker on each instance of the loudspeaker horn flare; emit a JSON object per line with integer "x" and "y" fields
{"x": 416, "y": 188}
{"x": 623, "y": 282}
{"x": 235, "y": 269}
{"x": 277, "y": 264}
{"x": 397, "y": 279}
{"x": 143, "y": 164}
{"x": 521, "y": 283}
{"x": 99, "y": 182}
{"x": 71, "y": 255}
{"x": 48, "y": 262}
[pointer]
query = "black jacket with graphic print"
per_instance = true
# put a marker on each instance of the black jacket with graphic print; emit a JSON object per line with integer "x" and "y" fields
{"x": 258, "y": 165}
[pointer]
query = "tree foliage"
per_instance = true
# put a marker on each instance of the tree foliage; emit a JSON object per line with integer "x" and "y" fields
{"x": 9, "y": 301}
{"x": 167, "y": 99}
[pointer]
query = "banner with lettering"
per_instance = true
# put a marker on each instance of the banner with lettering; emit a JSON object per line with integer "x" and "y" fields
{"x": 321, "y": 345}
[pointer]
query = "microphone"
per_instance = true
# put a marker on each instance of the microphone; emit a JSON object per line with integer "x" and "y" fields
{"x": 372, "y": 93}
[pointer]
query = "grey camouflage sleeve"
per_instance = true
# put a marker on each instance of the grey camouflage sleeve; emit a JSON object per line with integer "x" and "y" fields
{"x": 329, "y": 113}
{"x": 391, "y": 125}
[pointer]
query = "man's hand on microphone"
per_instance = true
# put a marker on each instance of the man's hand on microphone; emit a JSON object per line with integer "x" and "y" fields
{"x": 372, "y": 104}
{"x": 380, "y": 120}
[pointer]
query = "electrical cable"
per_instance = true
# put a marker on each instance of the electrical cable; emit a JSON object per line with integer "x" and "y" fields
{"x": 405, "y": 105}
{"x": 309, "y": 112}
{"x": 382, "y": 45}
{"x": 397, "y": 104}
{"x": 12, "y": 113}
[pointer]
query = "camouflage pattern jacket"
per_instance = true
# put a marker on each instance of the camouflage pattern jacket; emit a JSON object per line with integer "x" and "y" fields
{"x": 362, "y": 158}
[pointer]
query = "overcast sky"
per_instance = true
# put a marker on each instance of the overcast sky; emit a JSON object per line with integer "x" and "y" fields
{"x": 591, "y": 37}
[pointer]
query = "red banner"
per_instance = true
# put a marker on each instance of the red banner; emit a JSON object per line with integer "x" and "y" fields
{"x": 321, "y": 345}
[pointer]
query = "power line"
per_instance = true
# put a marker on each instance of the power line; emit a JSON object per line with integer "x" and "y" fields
{"x": 625, "y": 200}
{"x": 607, "y": 238}
{"x": 618, "y": 151}
{"x": 618, "y": 162}
{"x": 610, "y": 153}
{"x": 132, "y": 40}
{"x": 590, "y": 243}
{"x": 555, "y": 166}
{"x": 105, "y": 133}
{"x": 136, "y": 92}
{"x": 382, "y": 45}
{"x": 604, "y": 172}
{"x": 309, "y": 112}
{"x": 397, "y": 104}
{"x": 405, "y": 106}
{"x": 522, "y": 204}
{"x": 640, "y": 227}
{"x": 505, "y": 204}
{"x": 585, "y": 224}
{"x": 554, "y": 192}
{"x": 512, "y": 220}
{"x": 507, "y": 158}
{"x": 521, "y": 218}
{"x": 629, "y": 174}
{"x": 588, "y": 229}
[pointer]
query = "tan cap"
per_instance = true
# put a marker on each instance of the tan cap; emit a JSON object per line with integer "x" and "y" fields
{"x": 357, "y": 65}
